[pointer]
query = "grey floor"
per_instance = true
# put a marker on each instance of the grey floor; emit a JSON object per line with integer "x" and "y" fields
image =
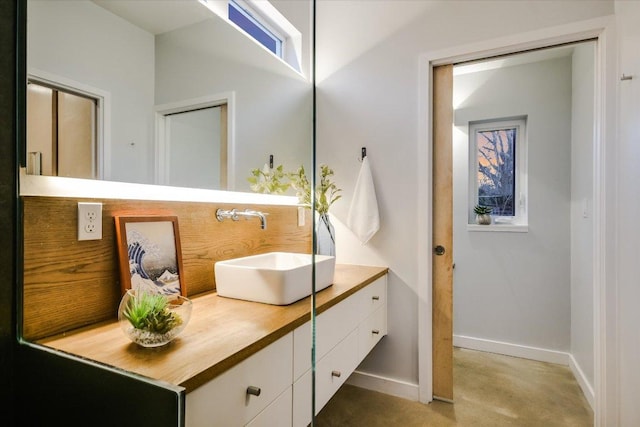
{"x": 489, "y": 390}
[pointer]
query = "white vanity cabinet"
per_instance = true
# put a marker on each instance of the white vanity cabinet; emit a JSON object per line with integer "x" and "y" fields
{"x": 253, "y": 391}
{"x": 345, "y": 333}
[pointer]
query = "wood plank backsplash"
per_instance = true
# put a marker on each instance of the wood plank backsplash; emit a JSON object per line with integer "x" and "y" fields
{"x": 69, "y": 283}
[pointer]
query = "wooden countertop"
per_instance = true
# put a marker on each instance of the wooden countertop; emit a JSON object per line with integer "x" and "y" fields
{"x": 221, "y": 333}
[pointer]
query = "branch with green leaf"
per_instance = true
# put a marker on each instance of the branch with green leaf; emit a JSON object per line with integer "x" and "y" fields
{"x": 268, "y": 181}
{"x": 327, "y": 192}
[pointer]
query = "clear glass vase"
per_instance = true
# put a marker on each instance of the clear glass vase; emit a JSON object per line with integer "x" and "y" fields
{"x": 325, "y": 236}
{"x": 153, "y": 328}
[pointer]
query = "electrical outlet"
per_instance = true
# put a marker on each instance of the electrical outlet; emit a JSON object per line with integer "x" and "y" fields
{"x": 89, "y": 221}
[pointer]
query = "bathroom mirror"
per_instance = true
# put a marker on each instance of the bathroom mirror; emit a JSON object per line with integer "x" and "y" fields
{"x": 147, "y": 63}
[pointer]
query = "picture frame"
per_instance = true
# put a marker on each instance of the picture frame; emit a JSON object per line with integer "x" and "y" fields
{"x": 149, "y": 254}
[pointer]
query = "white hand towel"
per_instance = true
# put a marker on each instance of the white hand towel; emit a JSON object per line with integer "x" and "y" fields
{"x": 363, "y": 217}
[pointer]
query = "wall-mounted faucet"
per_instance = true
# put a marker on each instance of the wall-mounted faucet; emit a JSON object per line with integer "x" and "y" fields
{"x": 234, "y": 214}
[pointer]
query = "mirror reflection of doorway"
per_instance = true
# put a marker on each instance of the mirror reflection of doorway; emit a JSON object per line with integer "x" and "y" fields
{"x": 61, "y": 132}
{"x": 196, "y": 146}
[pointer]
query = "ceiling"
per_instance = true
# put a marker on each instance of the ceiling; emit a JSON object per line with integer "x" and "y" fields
{"x": 157, "y": 16}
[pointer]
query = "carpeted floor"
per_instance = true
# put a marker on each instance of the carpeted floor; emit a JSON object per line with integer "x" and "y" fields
{"x": 489, "y": 390}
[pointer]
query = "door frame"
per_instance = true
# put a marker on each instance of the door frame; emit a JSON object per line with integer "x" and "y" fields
{"x": 103, "y": 114}
{"x": 162, "y": 157}
{"x": 604, "y": 286}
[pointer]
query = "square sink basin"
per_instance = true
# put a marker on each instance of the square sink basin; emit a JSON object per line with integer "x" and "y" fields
{"x": 278, "y": 278}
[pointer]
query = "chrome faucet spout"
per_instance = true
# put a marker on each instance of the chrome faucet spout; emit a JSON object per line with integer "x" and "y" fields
{"x": 234, "y": 214}
{"x": 261, "y": 215}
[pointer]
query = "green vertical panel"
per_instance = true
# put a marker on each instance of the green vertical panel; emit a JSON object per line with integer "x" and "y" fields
{"x": 8, "y": 203}
{"x": 62, "y": 390}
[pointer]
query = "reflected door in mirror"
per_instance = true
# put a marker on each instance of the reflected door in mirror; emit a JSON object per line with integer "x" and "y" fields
{"x": 196, "y": 146}
{"x": 61, "y": 132}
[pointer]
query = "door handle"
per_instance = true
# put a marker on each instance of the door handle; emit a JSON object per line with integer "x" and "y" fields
{"x": 439, "y": 250}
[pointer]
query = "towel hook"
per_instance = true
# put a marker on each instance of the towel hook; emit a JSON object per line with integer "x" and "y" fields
{"x": 363, "y": 154}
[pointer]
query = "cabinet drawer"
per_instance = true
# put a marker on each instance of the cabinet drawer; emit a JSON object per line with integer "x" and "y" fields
{"x": 276, "y": 414}
{"x": 370, "y": 331}
{"x": 302, "y": 401}
{"x": 371, "y": 298}
{"x": 331, "y": 327}
{"x": 334, "y": 369}
{"x": 333, "y": 324}
{"x": 224, "y": 401}
{"x": 341, "y": 360}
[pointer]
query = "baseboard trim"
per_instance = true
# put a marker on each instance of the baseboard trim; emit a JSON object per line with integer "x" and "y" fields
{"x": 587, "y": 389}
{"x": 384, "y": 385}
{"x": 508, "y": 349}
{"x": 410, "y": 391}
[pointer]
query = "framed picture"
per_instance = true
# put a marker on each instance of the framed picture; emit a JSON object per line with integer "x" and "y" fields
{"x": 149, "y": 254}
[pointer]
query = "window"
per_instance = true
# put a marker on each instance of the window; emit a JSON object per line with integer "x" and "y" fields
{"x": 497, "y": 159}
{"x": 251, "y": 23}
{"x": 265, "y": 24}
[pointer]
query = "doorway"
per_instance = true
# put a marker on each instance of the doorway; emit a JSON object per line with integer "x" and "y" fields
{"x": 522, "y": 146}
{"x": 602, "y": 116}
{"x": 195, "y": 143}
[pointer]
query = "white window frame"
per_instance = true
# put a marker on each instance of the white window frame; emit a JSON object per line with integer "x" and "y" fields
{"x": 266, "y": 24}
{"x": 519, "y": 222}
{"x": 269, "y": 17}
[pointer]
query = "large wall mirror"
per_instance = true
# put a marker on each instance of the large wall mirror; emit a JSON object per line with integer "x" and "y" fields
{"x": 165, "y": 92}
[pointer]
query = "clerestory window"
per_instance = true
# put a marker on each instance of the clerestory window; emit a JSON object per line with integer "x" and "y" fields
{"x": 241, "y": 14}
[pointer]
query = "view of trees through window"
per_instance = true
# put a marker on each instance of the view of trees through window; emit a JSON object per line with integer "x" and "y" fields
{"x": 496, "y": 154}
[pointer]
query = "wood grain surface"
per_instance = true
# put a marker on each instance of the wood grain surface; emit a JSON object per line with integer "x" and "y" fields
{"x": 222, "y": 333}
{"x": 69, "y": 283}
{"x": 443, "y": 232}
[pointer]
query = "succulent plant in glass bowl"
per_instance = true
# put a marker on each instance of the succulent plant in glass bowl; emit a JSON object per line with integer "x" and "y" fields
{"x": 153, "y": 320}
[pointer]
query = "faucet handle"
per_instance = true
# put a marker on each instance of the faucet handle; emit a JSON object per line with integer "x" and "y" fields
{"x": 221, "y": 214}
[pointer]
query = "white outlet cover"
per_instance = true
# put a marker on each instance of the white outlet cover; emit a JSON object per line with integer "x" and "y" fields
{"x": 89, "y": 221}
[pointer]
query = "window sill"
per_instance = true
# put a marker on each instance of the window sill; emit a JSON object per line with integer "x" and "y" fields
{"x": 511, "y": 228}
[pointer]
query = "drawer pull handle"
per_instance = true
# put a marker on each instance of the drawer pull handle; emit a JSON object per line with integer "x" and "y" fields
{"x": 253, "y": 390}
{"x": 336, "y": 374}
{"x": 375, "y": 297}
{"x": 375, "y": 332}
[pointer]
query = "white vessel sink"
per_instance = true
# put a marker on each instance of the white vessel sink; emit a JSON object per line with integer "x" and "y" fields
{"x": 278, "y": 278}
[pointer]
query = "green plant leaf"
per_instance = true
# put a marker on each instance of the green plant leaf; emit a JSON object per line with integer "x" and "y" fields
{"x": 150, "y": 312}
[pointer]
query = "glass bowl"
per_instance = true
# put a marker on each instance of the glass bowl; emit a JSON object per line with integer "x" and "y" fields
{"x": 153, "y": 320}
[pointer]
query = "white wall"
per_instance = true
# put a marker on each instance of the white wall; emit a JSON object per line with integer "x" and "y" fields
{"x": 273, "y": 107}
{"x": 514, "y": 287}
{"x": 628, "y": 230}
{"x": 368, "y": 96}
{"x": 582, "y": 290}
{"x": 80, "y": 41}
